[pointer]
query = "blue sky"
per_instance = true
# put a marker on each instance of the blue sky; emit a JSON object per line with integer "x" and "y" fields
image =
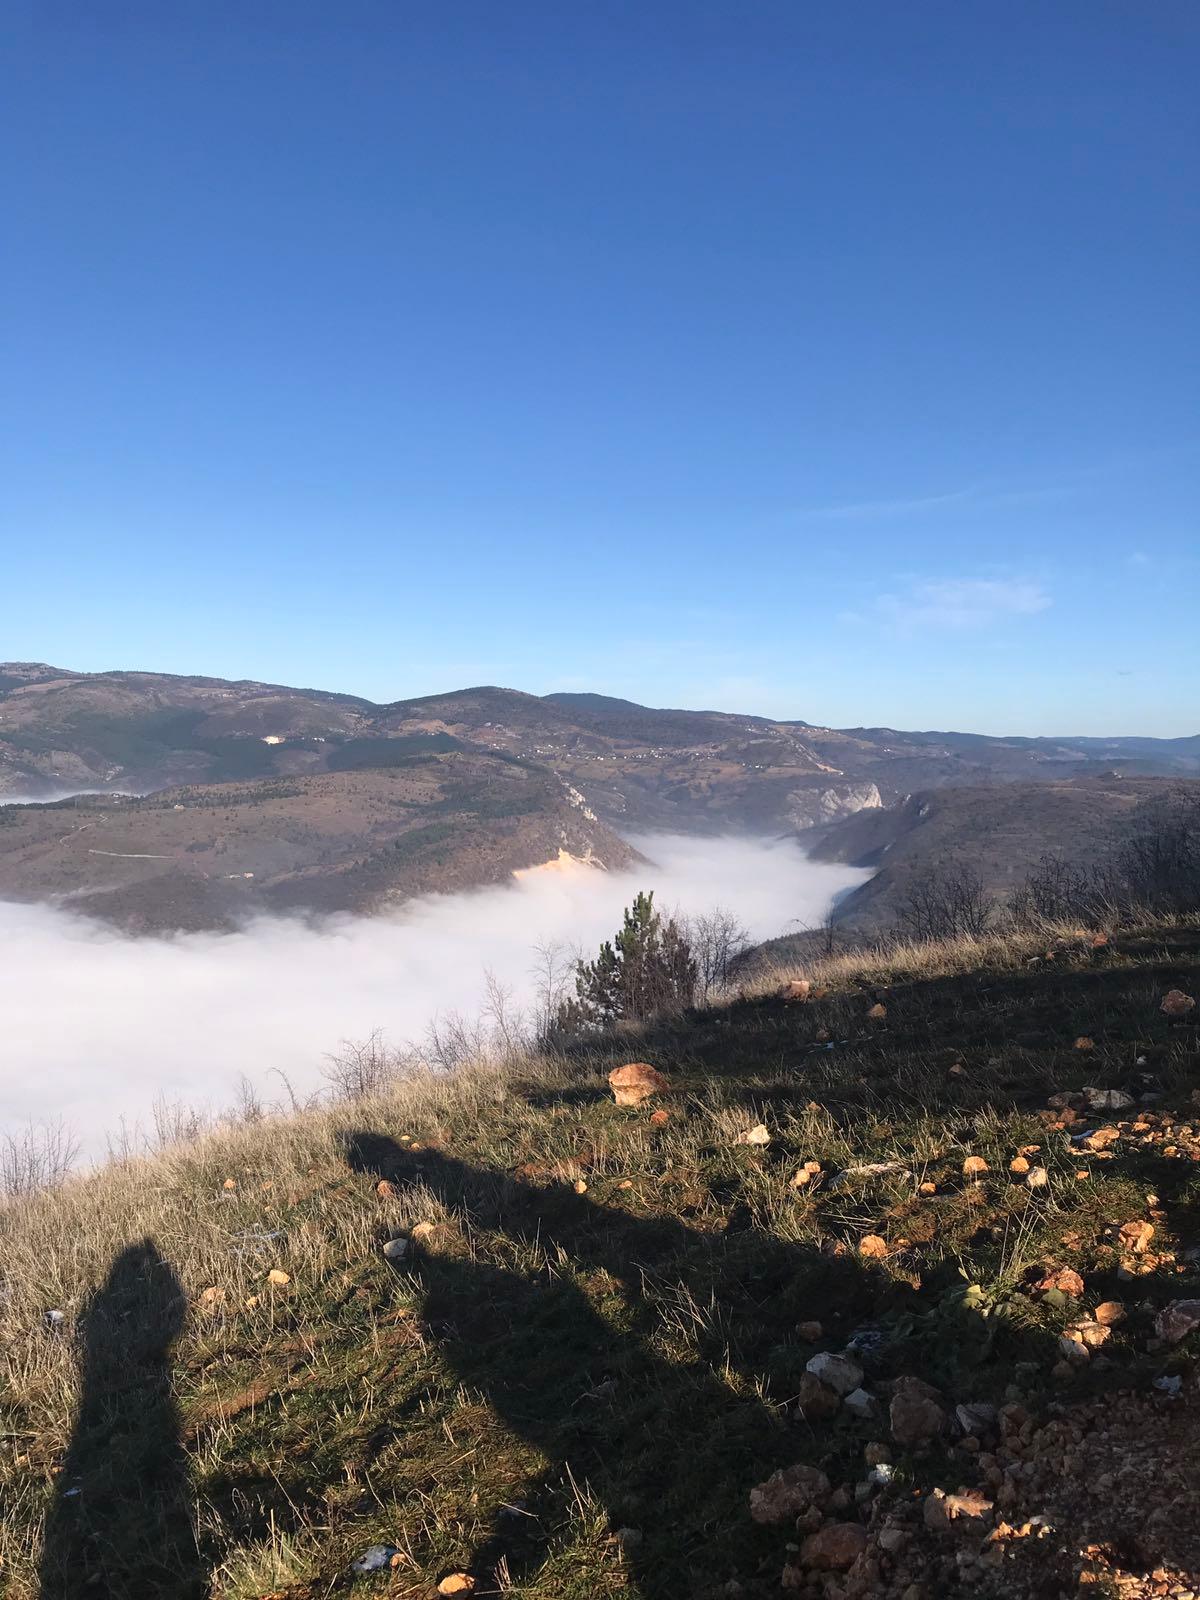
{"x": 826, "y": 361}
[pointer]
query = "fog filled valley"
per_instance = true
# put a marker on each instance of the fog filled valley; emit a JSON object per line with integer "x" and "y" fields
{"x": 101, "y": 1027}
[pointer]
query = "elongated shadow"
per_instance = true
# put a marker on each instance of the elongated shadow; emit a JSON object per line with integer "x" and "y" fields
{"x": 122, "y": 1523}
{"x": 669, "y": 1449}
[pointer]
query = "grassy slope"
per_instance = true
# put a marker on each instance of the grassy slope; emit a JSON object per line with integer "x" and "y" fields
{"x": 600, "y": 1330}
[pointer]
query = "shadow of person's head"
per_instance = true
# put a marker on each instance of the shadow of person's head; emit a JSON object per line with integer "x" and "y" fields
{"x": 136, "y": 1315}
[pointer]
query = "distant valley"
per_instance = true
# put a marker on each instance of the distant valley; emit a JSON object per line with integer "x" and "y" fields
{"x": 257, "y": 797}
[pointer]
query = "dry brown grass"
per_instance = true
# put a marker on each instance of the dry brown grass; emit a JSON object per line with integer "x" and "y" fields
{"x": 895, "y": 959}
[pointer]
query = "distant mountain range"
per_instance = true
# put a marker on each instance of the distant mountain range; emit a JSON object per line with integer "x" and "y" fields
{"x": 638, "y": 767}
{"x": 261, "y": 796}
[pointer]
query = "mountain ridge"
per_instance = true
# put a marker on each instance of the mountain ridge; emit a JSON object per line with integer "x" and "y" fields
{"x": 639, "y": 766}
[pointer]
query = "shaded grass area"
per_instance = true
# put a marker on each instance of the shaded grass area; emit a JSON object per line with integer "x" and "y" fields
{"x": 591, "y": 1347}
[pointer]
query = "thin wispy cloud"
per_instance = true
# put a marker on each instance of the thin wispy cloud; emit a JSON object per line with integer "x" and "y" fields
{"x": 954, "y": 604}
{"x": 977, "y": 497}
{"x": 902, "y": 506}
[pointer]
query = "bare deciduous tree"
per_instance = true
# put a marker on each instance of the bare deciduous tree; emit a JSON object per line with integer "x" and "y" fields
{"x": 717, "y": 939}
{"x": 1159, "y": 864}
{"x": 1154, "y": 867}
{"x": 361, "y": 1068}
{"x": 38, "y": 1157}
{"x": 552, "y": 972}
{"x": 948, "y": 902}
{"x": 1055, "y": 891}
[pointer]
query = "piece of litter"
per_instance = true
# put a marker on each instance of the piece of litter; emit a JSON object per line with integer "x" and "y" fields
{"x": 375, "y": 1559}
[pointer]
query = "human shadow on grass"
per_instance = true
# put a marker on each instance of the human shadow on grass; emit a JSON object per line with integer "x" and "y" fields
{"x": 570, "y": 1351}
{"x": 122, "y": 1521}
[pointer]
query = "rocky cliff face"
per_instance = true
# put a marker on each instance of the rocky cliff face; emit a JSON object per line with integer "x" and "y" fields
{"x": 812, "y": 808}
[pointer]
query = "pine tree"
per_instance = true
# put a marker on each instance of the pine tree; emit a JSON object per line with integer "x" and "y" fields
{"x": 646, "y": 969}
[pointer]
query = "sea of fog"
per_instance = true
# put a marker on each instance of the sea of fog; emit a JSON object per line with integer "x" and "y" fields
{"x": 96, "y": 1026}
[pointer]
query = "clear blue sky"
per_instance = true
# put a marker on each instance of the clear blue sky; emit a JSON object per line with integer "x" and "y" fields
{"x": 835, "y": 361}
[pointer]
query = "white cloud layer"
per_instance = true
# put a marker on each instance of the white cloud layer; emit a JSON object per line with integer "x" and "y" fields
{"x": 94, "y": 1026}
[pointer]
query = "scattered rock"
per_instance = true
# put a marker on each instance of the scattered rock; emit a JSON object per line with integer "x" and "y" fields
{"x": 212, "y": 1299}
{"x": 1107, "y": 1099}
{"x": 834, "y": 1547}
{"x": 861, "y": 1403}
{"x": 1091, "y": 1334}
{"x": 838, "y": 1373}
{"x": 806, "y": 1174}
{"x": 1037, "y": 1178}
{"x": 1074, "y": 1348}
{"x": 873, "y": 1247}
{"x": 457, "y": 1583}
{"x": 1136, "y": 1236}
{"x": 279, "y": 1277}
{"x": 659, "y": 1118}
{"x": 1065, "y": 1279}
{"x": 974, "y": 1167}
{"x": 976, "y": 1419}
{"x": 759, "y": 1134}
{"x": 1018, "y": 1165}
{"x": 816, "y": 1401}
{"x": 787, "y": 1494}
{"x": 422, "y": 1230}
{"x": 1109, "y": 1312}
{"x": 396, "y": 1249}
{"x": 385, "y": 1191}
{"x": 796, "y": 989}
{"x": 916, "y": 1413}
{"x": 969, "y": 1508}
{"x": 1084, "y": 1043}
{"x": 810, "y": 1331}
{"x": 1177, "y": 1005}
{"x": 1100, "y": 1138}
{"x": 635, "y": 1082}
{"x": 877, "y": 1012}
{"x": 869, "y": 1169}
{"x": 1176, "y": 1321}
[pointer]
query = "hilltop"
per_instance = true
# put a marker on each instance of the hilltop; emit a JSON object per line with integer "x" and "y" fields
{"x": 638, "y": 767}
{"x": 209, "y": 855}
{"x": 1002, "y": 830}
{"x": 891, "y": 1291}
